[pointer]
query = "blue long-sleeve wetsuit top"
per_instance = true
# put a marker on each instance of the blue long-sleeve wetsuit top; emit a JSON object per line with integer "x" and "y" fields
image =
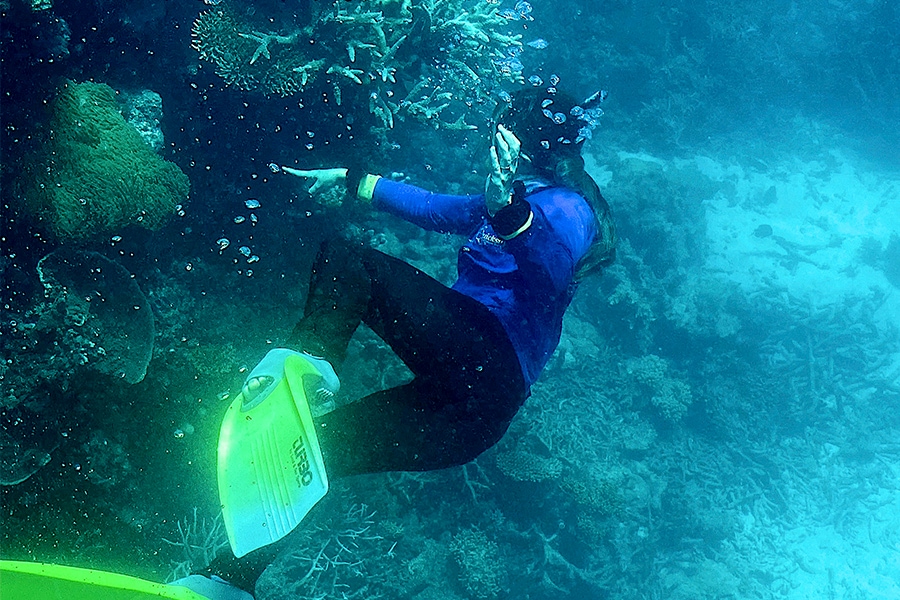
{"x": 527, "y": 281}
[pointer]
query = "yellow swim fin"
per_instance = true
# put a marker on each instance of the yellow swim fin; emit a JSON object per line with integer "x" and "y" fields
{"x": 270, "y": 466}
{"x": 30, "y": 580}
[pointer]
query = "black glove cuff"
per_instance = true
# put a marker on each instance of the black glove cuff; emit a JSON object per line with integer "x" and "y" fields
{"x": 354, "y": 177}
{"x": 512, "y": 217}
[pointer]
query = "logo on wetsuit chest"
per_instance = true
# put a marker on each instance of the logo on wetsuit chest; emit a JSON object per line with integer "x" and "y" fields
{"x": 487, "y": 237}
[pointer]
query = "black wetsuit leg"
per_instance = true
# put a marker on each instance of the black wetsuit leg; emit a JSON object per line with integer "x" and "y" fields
{"x": 467, "y": 385}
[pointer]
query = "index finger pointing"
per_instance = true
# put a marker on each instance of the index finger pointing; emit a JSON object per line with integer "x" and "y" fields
{"x": 297, "y": 172}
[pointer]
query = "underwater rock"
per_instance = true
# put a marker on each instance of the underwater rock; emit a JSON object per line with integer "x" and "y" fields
{"x": 93, "y": 317}
{"x": 92, "y": 173}
{"x": 763, "y": 231}
{"x": 27, "y": 438}
{"x": 99, "y": 297}
{"x": 143, "y": 110}
{"x": 18, "y": 464}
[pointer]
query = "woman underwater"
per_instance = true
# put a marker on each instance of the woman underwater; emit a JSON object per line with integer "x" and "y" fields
{"x": 475, "y": 348}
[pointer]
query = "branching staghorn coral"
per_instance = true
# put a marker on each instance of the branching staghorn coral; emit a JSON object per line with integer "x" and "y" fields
{"x": 415, "y": 59}
{"x": 200, "y": 541}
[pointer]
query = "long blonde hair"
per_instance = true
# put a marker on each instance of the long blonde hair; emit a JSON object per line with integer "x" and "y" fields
{"x": 554, "y": 146}
{"x": 568, "y": 171}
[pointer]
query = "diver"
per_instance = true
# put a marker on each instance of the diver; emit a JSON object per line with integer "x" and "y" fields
{"x": 539, "y": 228}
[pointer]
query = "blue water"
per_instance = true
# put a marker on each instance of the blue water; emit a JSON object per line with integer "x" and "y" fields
{"x": 718, "y": 421}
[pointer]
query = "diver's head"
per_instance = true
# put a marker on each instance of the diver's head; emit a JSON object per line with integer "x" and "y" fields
{"x": 551, "y": 124}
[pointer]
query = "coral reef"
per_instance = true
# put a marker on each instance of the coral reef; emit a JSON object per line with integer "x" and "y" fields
{"x": 521, "y": 465}
{"x": 98, "y": 297}
{"x": 670, "y": 396}
{"x": 94, "y": 317}
{"x": 891, "y": 260}
{"x": 144, "y": 111}
{"x": 18, "y": 462}
{"x": 339, "y": 560}
{"x": 94, "y": 173}
{"x": 427, "y": 568}
{"x": 199, "y": 542}
{"x": 401, "y": 58}
{"x": 478, "y": 559}
{"x": 598, "y": 495}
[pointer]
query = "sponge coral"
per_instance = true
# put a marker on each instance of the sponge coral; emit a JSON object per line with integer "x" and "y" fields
{"x": 94, "y": 173}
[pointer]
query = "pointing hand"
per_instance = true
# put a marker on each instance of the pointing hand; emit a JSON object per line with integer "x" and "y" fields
{"x": 323, "y": 179}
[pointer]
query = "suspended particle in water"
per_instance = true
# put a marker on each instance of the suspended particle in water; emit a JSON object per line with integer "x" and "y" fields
{"x": 251, "y": 203}
{"x": 585, "y": 133}
{"x": 523, "y": 10}
{"x": 595, "y": 98}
